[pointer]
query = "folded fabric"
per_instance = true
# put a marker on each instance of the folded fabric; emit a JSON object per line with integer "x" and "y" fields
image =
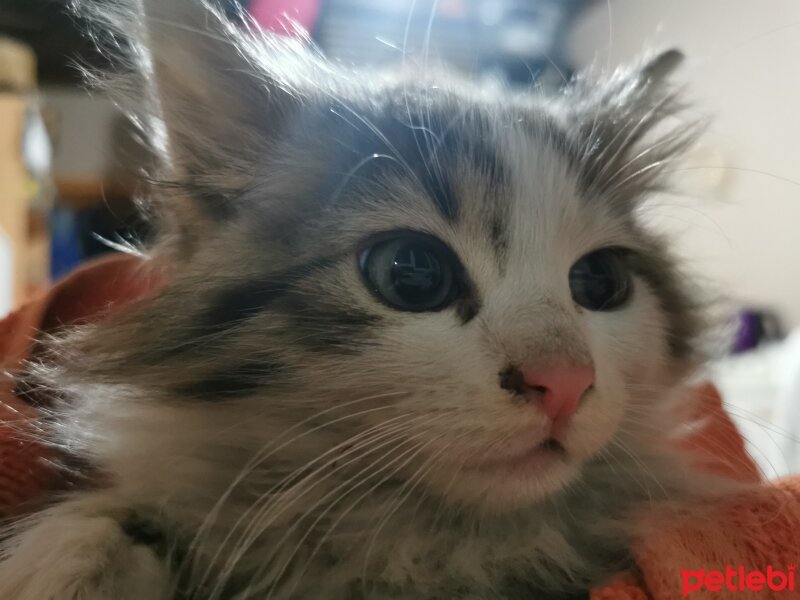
{"x": 87, "y": 294}
{"x": 747, "y": 548}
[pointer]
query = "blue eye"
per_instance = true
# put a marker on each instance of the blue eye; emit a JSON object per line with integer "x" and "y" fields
{"x": 411, "y": 272}
{"x": 601, "y": 281}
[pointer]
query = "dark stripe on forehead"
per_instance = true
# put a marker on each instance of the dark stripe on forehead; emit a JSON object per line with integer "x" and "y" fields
{"x": 431, "y": 145}
{"x": 498, "y": 234}
{"x": 414, "y": 153}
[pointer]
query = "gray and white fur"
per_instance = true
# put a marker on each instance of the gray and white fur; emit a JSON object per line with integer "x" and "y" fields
{"x": 265, "y": 427}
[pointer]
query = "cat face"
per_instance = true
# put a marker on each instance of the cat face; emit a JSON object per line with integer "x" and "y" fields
{"x": 430, "y": 283}
{"x": 520, "y": 273}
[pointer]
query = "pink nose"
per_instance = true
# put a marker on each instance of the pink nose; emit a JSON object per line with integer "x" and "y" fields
{"x": 562, "y": 387}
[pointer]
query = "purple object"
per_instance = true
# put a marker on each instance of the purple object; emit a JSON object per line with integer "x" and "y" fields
{"x": 755, "y": 327}
{"x": 749, "y": 331}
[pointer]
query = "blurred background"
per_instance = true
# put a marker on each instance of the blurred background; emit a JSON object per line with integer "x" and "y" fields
{"x": 69, "y": 160}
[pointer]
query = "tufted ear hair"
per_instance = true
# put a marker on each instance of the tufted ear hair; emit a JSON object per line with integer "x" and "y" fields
{"x": 210, "y": 93}
{"x": 624, "y": 132}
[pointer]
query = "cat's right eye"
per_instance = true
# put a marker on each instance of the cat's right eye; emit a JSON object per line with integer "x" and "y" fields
{"x": 411, "y": 272}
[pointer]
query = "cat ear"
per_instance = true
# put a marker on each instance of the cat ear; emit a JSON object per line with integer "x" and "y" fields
{"x": 629, "y": 133}
{"x": 661, "y": 66}
{"x": 205, "y": 89}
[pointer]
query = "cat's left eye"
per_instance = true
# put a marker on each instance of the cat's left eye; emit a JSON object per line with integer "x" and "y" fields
{"x": 411, "y": 272}
{"x": 600, "y": 280}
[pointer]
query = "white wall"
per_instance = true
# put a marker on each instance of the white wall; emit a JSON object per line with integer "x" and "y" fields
{"x": 743, "y": 68}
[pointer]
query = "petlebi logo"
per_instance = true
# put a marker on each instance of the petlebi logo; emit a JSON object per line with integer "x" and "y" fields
{"x": 739, "y": 579}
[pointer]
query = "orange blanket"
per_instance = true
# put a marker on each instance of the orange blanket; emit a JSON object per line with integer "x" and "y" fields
{"x": 749, "y": 550}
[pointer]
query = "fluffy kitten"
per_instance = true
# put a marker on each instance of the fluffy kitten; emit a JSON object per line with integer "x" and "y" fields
{"x": 413, "y": 343}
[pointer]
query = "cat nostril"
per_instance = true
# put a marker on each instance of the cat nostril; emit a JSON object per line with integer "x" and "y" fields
{"x": 552, "y": 445}
{"x": 513, "y": 380}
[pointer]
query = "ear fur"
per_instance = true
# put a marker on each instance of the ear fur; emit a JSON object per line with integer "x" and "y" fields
{"x": 210, "y": 94}
{"x": 627, "y": 132}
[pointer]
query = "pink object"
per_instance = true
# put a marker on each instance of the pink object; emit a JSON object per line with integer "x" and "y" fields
{"x": 562, "y": 388}
{"x": 281, "y": 16}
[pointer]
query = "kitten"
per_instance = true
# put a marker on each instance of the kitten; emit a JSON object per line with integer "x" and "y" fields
{"x": 414, "y": 341}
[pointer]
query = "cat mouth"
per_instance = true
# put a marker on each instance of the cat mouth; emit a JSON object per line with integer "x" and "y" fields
{"x": 546, "y": 453}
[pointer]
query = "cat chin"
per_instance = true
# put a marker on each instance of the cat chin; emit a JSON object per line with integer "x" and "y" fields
{"x": 504, "y": 489}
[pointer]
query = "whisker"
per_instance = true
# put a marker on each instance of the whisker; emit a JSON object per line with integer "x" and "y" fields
{"x": 348, "y": 488}
{"x": 266, "y": 515}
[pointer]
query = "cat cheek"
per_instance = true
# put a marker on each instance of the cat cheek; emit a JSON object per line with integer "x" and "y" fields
{"x": 632, "y": 341}
{"x": 601, "y": 415}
